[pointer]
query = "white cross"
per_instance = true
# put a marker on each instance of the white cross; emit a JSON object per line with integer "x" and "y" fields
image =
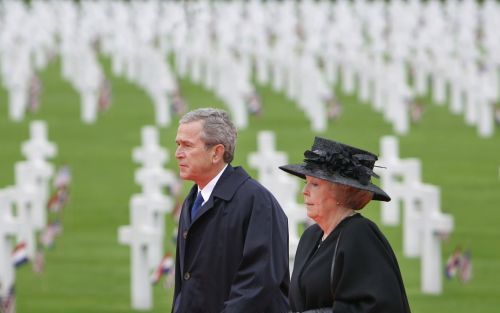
{"x": 281, "y": 185}
{"x": 141, "y": 238}
{"x": 412, "y": 218}
{"x": 9, "y": 227}
{"x": 153, "y": 207}
{"x": 152, "y": 180}
{"x": 37, "y": 150}
{"x": 267, "y": 160}
{"x": 30, "y": 206}
{"x": 38, "y": 146}
{"x": 434, "y": 223}
{"x": 396, "y": 177}
{"x": 150, "y": 154}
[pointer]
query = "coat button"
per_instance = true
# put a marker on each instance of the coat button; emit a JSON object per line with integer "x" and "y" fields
{"x": 185, "y": 234}
{"x": 187, "y": 276}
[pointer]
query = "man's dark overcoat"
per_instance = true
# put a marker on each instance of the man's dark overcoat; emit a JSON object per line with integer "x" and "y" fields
{"x": 233, "y": 257}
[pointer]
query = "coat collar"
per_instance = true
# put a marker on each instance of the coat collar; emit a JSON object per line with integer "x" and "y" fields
{"x": 229, "y": 182}
{"x": 225, "y": 189}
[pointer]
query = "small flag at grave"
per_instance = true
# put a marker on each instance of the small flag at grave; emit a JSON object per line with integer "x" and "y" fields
{"x": 63, "y": 177}
{"x": 105, "y": 95}
{"x": 459, "y": 265}
{"x": 453, "y": 263}
{"x": 49, "y": 234}
{"x": 8, "y": 303}
{"x": 179, "y": 105}
{"x": 34, "y": 90}
{"x": 465, "y": 273}
{"x": 58, "y": 200}
{"x": 20, "y": 254}
{"x": 39, "y": 262}
{"x": 166, "y": 266}
{"x": 253, "y": 103}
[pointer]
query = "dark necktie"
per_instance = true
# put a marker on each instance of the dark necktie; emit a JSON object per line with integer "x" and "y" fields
{"x": 196, "y": 205}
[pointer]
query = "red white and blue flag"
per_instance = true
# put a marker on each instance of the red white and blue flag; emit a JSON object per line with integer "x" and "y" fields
{"x": 38, "y": 263}
{"x": 453, "y": 263}
{"x": 105, "y": 95}
{"x": 459, "y": 265}
{"x": 63, "y": 177}
{"x": 49, "y": 234}
{"x": 465, "y": 273}
{"x": 166, "y": 267}
{"x": 20, "y": 254}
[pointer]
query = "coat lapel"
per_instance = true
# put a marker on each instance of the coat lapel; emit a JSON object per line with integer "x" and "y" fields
{"x": 225, "y": 188}
{"x": 185, "y": 221}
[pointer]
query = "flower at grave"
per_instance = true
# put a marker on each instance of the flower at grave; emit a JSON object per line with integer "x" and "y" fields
{"x": 20, "y": 254}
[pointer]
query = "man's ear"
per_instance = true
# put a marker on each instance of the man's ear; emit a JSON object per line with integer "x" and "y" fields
{"x": 218, "y": 153}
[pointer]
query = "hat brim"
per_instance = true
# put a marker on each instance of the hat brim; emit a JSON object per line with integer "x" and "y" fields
{"x": 301, "y": 171}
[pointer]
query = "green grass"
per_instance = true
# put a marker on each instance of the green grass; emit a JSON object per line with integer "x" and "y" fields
{"x": 88, "y": 271}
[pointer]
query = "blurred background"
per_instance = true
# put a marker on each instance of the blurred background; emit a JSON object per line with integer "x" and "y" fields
{"x": 97, "y": 72}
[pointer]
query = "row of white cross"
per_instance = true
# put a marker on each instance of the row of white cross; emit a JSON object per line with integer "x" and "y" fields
{"x": 423, "y": 220}
{"x": 285, "y": 188}
{"x": 299, "y": 48}
{"x": 423, "y": 223}
{"x": 147, "y": 216}
{"x": 29, "y": 197}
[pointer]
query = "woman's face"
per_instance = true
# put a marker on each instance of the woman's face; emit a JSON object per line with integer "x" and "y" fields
{"x": 319, "y": 198}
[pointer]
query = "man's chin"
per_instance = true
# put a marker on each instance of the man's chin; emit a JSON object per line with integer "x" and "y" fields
{"x": 185, "y": 176}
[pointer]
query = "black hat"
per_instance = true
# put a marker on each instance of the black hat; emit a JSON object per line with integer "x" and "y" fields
{"x": 339, "y": 163}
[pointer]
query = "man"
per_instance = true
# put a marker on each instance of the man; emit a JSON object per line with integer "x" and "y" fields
{"x": 232, "y": 251}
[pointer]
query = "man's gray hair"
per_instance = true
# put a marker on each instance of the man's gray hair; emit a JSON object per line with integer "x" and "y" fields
{"x": 217, "y": 129}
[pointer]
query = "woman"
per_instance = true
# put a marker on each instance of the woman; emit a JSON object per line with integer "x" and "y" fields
{"x": 343, "y": 261}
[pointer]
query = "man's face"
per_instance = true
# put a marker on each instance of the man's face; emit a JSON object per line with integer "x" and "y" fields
{"x": 194, "y": 160}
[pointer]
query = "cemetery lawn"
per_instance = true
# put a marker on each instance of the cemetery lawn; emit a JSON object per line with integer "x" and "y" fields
{"x": 87, "y": 271}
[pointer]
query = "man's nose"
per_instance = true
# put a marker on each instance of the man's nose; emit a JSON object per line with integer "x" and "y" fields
{"x": 178, "y": 153}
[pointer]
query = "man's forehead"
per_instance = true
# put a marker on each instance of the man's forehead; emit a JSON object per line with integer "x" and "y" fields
{"x": 188, "y": 133}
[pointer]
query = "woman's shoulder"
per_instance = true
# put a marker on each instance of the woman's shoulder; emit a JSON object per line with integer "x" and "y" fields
{"x": 312, "y": 230}
{"x": 311, "y": 233}
{"x": 360, "y": 225}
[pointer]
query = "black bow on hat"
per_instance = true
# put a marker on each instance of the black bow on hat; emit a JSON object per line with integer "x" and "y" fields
{"x": 339, "y": 163}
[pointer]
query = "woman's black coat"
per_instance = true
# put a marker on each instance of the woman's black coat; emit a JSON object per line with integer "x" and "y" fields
{"x": 366, "y": 275}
